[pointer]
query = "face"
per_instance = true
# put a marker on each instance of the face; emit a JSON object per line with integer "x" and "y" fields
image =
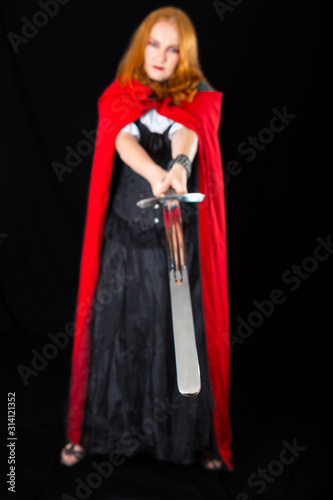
{"x": 161, "y": 55}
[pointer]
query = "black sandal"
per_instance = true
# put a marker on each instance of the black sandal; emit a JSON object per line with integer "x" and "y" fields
{"x": 69, "y": 451}
{"x": 206, "y": 457}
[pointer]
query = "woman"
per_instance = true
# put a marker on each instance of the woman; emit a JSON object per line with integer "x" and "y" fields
{"x": 158, "y": 124}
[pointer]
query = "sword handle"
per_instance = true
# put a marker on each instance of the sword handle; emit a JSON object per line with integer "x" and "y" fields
{"x": 175, "y": 238}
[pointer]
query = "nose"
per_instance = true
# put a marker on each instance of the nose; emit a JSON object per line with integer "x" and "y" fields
{"x": 161, "y": 55}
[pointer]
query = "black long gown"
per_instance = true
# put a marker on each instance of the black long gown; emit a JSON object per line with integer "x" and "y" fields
{"x": 133, "y": 404}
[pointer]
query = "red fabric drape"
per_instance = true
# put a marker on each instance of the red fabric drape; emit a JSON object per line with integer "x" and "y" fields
{"x": 117, "y": 107}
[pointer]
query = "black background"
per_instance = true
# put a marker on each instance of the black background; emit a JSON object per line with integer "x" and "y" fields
{"x": 263, "y": 55}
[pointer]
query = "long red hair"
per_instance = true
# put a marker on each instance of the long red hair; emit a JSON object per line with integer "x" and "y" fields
{"x": 182, "y": 85}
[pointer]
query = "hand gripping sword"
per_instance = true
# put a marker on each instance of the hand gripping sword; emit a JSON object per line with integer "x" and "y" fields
{"x": 187, "y": 363}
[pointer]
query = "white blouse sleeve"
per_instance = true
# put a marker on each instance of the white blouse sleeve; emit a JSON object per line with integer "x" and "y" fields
{"x": 174, "y": 128}
{"x": 133, "y": 129}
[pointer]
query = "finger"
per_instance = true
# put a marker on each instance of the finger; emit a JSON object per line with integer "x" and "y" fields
{"x": 178, "y": 187}
{"x": 163, "y": 187}
{"x": 159, "y": 189}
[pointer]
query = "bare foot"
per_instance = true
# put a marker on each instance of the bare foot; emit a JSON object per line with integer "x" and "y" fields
{"x": 72, "y": 453}
{"x": 213, "y": 464}
{"x": 210, "y": 462}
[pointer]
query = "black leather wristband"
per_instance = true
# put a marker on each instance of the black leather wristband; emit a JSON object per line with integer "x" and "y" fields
{"x": 184, "y": 161}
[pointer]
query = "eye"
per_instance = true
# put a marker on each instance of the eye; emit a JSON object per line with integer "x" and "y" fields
{"x": 174, "y": 50}
{"x": 152, "y": 44}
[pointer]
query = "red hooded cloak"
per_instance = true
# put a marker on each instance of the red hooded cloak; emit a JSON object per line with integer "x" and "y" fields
{"x": 117, "y": 107}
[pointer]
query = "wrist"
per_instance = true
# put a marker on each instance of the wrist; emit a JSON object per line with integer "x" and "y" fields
{"x": 154, "y": 173}
{"x": 182, "y": 160}
{"x": 179, "y": 170}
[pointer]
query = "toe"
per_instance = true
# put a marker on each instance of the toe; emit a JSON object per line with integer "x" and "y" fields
{"x": 68, "y": 454}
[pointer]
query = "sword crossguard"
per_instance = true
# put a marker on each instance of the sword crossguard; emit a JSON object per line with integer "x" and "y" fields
{"x": 170, "y": 195}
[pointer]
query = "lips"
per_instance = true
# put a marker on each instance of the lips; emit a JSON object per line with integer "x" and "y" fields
{"x": 160, "y": 68}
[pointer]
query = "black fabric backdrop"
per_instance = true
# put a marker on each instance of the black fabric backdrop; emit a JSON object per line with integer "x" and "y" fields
{"x": 270, "y": 58}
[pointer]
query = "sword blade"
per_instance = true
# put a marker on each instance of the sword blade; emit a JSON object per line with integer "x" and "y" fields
{"x": 187, "y": 363}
